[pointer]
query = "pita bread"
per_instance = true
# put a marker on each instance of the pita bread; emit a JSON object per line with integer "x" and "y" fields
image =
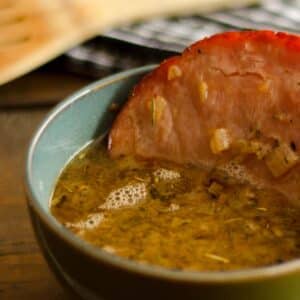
{"x": 35, "y": 31}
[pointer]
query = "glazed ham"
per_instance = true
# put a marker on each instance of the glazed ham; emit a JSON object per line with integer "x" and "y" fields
{"x": 230, "y": 103}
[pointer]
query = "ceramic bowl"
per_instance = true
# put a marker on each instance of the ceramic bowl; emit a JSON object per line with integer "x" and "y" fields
{"x": 96, "y": 274}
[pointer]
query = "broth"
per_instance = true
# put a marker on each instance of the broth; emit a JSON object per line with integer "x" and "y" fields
{"x": 178, "y": 217}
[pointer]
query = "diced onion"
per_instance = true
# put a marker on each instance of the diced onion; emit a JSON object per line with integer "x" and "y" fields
{"x": 203, "y": 91}
{"x": 220, "y": 140}
{"x": 253, "y": 147}
{"x": 281, "y": 160}
{"x": 174, "y": 72}
{"x": 157, "y": 106}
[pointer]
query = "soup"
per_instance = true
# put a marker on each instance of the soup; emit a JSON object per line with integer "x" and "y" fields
{"x": 176, "y": 216}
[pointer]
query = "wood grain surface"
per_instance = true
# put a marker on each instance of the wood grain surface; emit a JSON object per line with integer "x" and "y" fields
{"x": 23, "y": 271}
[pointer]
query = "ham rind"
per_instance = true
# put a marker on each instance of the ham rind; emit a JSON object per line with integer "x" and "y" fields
{"x": 241, "y": 86}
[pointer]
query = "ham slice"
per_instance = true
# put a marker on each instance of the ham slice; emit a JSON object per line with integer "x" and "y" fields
{"x": 230, "y": 102}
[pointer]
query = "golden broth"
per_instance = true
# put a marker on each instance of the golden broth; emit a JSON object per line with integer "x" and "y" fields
{"x": 173, "y": 216}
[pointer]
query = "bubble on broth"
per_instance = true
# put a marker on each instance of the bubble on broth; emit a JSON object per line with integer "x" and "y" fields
{"x": 165, "y": 174}
{"x": 92, "y": 221}
{"x": 236, "y": 171}
{"x": 128, "y": 195}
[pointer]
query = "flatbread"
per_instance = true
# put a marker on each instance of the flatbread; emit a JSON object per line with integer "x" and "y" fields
{"x": 35, "y": 31}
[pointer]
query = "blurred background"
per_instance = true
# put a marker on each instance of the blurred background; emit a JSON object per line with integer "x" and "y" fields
{"x": 25, "y": 101}
{"x": 144, "y": 42}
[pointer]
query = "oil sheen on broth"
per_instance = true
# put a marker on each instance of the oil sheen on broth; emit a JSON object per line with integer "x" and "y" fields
{"x": 179, "y": 217}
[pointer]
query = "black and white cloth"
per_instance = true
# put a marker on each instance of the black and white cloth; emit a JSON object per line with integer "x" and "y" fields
{"x": 169, "y": 35}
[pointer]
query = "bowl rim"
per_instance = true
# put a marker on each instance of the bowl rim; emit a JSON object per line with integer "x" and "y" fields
{"x": 200, "y": 277}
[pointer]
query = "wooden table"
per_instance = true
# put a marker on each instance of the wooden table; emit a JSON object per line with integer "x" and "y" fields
{"x": 23, "y": 104}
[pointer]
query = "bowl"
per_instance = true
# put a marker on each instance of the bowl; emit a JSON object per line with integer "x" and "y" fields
{"x": 95, "y": 274}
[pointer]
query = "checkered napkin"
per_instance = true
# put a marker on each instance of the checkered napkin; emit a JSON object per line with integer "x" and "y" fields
{"x": 174, "y": 34}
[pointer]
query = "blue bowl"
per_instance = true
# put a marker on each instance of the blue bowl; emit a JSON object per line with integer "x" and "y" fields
{"x": 96, "y": 274}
